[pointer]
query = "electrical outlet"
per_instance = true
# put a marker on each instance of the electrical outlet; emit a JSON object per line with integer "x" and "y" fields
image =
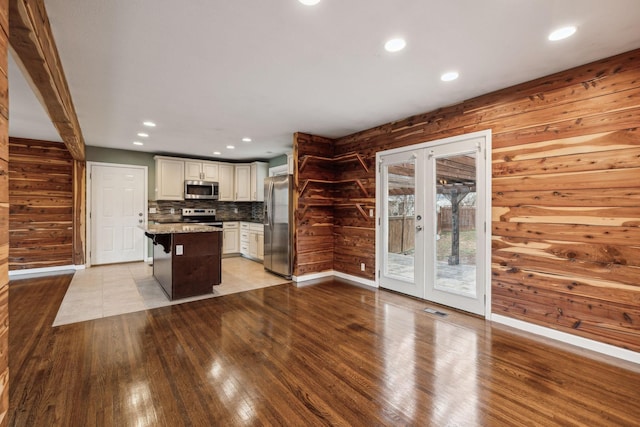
{"x": 179, "y": 249}
{"x": 235, "y": 210}
{"x": 362, "y": 266}
{"x": 173, "y": 211}
{"x": 371, "y": 213}
{"x": 153, "y": 210}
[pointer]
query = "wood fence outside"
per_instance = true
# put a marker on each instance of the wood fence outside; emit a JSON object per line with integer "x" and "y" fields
{"x": 466, "y": 218}
{"x": 401, "y": 234}
{"x": 402, "y": 231}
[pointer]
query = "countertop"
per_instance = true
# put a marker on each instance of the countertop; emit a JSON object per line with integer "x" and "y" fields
{"x": 178, "y": 228}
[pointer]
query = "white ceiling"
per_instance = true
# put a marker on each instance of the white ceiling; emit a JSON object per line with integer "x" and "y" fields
{"x": 210, "y": 72}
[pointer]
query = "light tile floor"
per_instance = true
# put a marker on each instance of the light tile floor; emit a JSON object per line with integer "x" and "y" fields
{"x": 109, "y": 290}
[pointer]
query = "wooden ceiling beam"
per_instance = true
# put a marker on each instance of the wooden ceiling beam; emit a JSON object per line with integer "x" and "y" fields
{"x": 31, "y": 39}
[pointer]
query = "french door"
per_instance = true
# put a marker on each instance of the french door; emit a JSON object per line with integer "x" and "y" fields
{"x": 433, "y": 204}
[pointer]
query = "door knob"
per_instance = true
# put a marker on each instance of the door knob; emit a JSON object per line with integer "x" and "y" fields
{"x": 418, "y": 228}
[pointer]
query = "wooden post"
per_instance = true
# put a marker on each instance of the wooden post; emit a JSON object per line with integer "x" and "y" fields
{"x": 454, "y": 258}
{"x": 79, "y": 202}
{"x": 4, "y": 216}
{"x": 455, "y": 195}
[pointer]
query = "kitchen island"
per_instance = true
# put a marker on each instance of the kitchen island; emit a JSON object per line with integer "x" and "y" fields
{"x": 187, "y": 258}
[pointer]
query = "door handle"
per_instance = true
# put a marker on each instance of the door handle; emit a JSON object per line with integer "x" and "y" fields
{"x": 418, "y": 228}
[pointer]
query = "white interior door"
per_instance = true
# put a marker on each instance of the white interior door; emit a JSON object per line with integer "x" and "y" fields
{"x": 433, "y": 200}
{"x": 118, "y": 207}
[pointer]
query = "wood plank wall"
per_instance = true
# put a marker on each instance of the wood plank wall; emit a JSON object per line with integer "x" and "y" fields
{"x": 4, "y": 214}
{"x": 41, "y": 197}
{"x": 566, "y": 200}
{"x": 354, "y": 227}
{"x": 313, "y": 232}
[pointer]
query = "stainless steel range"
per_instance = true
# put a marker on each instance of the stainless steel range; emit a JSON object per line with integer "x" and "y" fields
{"x": 200, "y": 216}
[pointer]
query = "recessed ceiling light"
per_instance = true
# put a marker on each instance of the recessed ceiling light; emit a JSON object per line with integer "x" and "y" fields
{"x": 149, "y": 124}
{"x": 562, "y": 33}
{"x": 246, "y": 139}
{"x": 137, "y": 143}
{"x": 230, "y": 147}
{"x": 217, "y": 153}
{"x": 309, "y": 2}
{"x": 395, "y": 45}
{"x": 447, "y": 77}
{"x": 143, "y": 135}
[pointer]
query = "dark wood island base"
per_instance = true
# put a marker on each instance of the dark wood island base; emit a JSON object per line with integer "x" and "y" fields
{"x": 187, "y": 260}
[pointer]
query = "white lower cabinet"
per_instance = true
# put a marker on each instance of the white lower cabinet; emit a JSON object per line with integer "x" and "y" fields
{"x": 252, "y": 240}
{"x": 244, "y": 238}
{"x": 261, "y": 246}
{"x": 230, "y": 237}
{"x": 256, "y": 241}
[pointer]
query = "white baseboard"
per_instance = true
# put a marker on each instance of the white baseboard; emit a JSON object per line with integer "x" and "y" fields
{"x": 360, "y": 280}
{"x": 44, "y": 270}
{"x": 312, "y": 276}
{"x": 333, "y": 273}
{"x": 608, "y": 349}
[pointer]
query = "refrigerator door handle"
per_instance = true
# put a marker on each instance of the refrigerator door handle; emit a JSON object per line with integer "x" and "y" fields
{"x": 265, "y": 208}
{"x": 269, "y": 206}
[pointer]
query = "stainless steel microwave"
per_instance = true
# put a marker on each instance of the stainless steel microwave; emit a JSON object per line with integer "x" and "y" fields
{"x": 201, "y": 190}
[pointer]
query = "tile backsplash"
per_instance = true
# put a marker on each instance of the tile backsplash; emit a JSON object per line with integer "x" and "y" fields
{"x": 225, "y": 211}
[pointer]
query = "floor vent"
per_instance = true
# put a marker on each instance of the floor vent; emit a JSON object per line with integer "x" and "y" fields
{"x": 436, "y": 312}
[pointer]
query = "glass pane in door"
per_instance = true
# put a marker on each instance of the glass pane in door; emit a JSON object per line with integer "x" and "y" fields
{"x": 455, "y": 239}
{"x": 400, "y": 251}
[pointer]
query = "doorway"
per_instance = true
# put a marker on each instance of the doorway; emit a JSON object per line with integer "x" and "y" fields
{"x": 117, "y": 205}
{"x": 434, "y": 202}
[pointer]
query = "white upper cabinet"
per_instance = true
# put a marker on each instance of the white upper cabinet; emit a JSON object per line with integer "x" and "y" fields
{"x": 243, "y": 182}
{"x": 199, "y": 170}
{"x": 259, "y": 172}
{"x": 169, "y": 178}
{"x": 210, "y": 170}
{"x": 226, "y": 182}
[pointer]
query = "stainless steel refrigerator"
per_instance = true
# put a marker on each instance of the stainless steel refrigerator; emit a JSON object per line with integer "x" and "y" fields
{"x": 278, "y": 225}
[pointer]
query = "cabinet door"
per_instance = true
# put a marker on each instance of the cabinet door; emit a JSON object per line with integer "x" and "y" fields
{"x": 230, "y": 241}
{"x": 253, "y": 244}
{"x": 290, "y": 163}
{"x": 193, "y": 170}
{"x": 261, "y": 246}
{"x": 225, "y": 182}
{"x": 243, "y": 183}
{"x": 169, "y": 179}
{"x": 259, "y": 172}
{"x": 210, "y": 171}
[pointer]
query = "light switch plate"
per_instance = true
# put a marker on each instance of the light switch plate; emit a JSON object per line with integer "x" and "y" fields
{"x": 179, "y": 249}
{"x": 153, "y": 210}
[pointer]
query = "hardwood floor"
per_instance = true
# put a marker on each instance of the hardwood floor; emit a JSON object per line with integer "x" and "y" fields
{"x": 326, "y": 354}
